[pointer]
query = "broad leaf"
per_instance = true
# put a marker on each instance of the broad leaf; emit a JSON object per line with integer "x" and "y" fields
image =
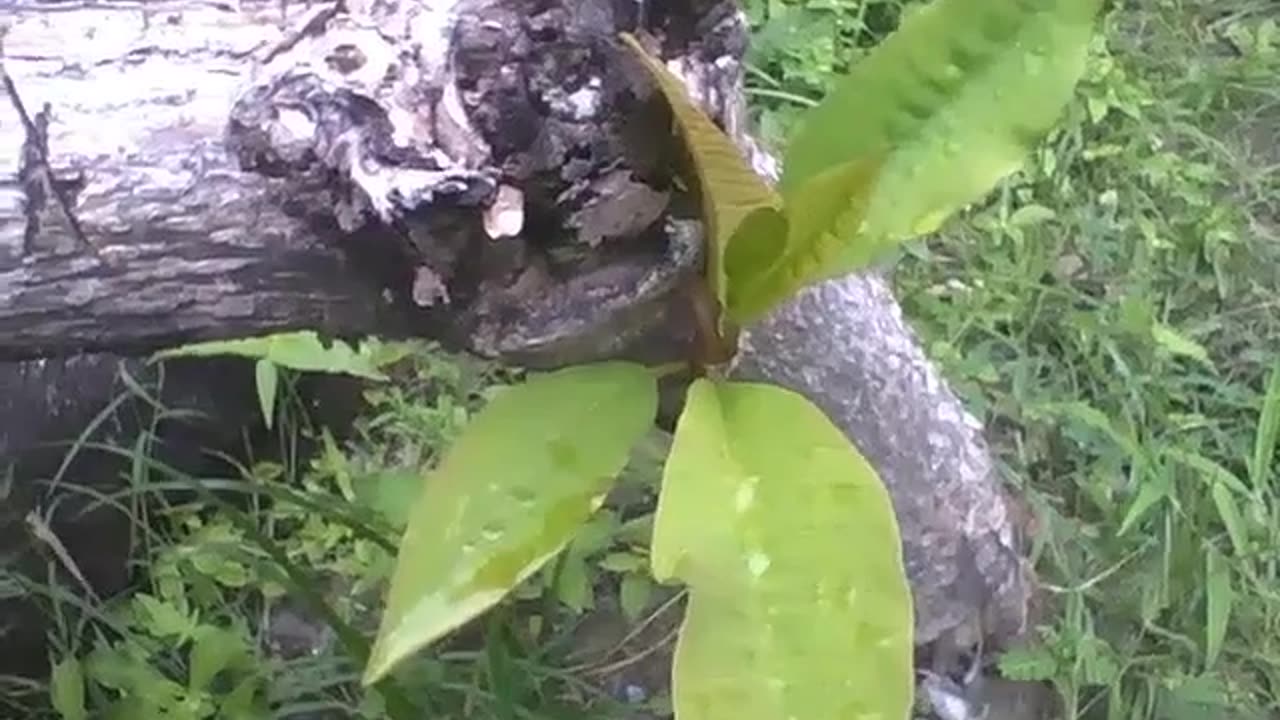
{"x": 526, "y": 472}
{"x": 730, "y": 189}
{"x": 302, "y": 350}
{"x": 799, "y": 606}
{"x": 945, "y": 107}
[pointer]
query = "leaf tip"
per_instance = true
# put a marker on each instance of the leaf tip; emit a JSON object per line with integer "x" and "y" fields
{"x": 381, "y": 661}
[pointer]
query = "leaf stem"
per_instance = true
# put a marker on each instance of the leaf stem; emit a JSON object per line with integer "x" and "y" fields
{"x": 783, "y": 95}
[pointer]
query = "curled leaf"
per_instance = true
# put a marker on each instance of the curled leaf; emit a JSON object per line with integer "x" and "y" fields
{"x": 730, "y": 189}
{"x": 776, "y": 254}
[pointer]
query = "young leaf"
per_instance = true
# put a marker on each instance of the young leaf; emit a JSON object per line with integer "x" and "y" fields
{"x": 526, "y": 472}
{"x": 775, "y": 254}
{"x": 945, "y": 107}
{"x": 799, "y": 602}
{"x": 730, "y": 189}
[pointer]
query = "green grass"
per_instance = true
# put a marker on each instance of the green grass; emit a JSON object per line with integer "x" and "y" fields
{"x": 1110, "y": 313}
{"x": 260, "y": 592}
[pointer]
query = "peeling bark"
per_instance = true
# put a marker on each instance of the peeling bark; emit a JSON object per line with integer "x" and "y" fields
{"x": 492, "y": 173}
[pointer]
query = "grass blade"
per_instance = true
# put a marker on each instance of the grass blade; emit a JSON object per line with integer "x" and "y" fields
{"x": 1219, "y": 598}
{"x": 1264, "y": 441}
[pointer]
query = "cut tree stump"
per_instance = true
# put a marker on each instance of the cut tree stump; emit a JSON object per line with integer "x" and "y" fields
{"x": 493, "y": 174}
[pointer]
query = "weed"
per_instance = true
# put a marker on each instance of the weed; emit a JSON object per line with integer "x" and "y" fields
{"x": 258, "y": 590}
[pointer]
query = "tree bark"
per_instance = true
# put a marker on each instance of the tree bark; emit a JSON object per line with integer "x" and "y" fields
{"x": 491, "y": 173}
{"x": 124, "y": 223}
{"x": 187, "y": 170}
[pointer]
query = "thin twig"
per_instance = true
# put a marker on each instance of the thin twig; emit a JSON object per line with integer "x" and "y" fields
{"x": 631, "y": 635}
{"x": 35, "y": 146}
{"x": 633, "y": 659}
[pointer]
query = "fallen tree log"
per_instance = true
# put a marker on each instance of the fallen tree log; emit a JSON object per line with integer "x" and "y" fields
{"x": 490, "y": 173}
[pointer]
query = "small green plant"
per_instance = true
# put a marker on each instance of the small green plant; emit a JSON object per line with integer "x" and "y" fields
{"x": 762, "y": 497}
{"x": 303, "y": 351}
{"x": 252, "y": 579}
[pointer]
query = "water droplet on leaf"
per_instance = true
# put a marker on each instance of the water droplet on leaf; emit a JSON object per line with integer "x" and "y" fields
{"x": 563, "y": 454}
{"x": 524, "y": 497}
{"x": 1033, "y": 62}
{"x": 746, "y": 495}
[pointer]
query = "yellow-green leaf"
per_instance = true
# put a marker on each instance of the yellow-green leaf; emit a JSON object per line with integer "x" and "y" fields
{"x": 950, "y": 103}
{"x": 799, "y": 605}
{"x": 773, "y": 255}
{"x": 730, "y": 189}
{"x": 526, "y": 472}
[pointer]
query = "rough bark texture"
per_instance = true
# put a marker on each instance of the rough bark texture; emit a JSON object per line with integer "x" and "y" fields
{"x": 845, "y": 345}
{"x": 124, "y": 222}
{"x": 490, "y": 172}
{"x": 484, "y": 172}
